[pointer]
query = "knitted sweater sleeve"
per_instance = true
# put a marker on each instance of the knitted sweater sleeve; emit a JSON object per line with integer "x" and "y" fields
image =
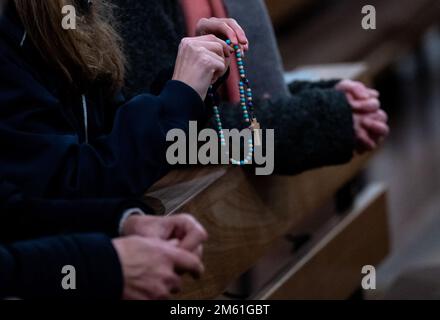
{"x": 313, "y": 128}
{"x": 296, "y": 87}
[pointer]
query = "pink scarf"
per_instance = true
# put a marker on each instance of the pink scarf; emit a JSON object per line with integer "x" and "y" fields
{"x": 194, "y": 10}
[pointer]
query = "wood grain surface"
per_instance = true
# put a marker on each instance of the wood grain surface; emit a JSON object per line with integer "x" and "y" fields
{"x": 244, "y": 215}
{"x": 331, "y": 268}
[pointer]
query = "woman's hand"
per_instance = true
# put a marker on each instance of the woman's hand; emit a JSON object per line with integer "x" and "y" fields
{"x": 201, "y": 61}
{"x": 224, "y": 29}
{"x": 370, "y": 130}
{"x": 360, "y": 97}
{"x": 370, "y": 121}
{"x": 357, "y": 89}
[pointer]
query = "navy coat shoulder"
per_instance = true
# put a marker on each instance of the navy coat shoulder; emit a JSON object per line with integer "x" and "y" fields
{"x": 57, "y": 143}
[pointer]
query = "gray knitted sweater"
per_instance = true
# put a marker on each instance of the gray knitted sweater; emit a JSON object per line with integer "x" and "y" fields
{"x": 312, "y": 121}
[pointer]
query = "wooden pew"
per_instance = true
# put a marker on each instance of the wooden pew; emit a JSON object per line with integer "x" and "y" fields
{"x": 330, "y": 267}
{"x": 248, "y": 217}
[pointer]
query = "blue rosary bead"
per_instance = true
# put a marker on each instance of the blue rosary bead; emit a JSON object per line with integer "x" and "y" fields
{"x": 246, "y": 98}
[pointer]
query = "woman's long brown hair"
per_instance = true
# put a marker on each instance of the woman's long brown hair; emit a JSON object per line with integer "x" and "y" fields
{"x": 84, "y": 55}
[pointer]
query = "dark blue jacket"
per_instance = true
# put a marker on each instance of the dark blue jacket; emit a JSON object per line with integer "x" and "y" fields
{"x": 33, "y": 269}
{"x": 55, "y": 142}
{"x": 24, "y": 218}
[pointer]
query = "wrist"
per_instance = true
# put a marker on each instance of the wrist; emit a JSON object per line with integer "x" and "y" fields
{"x": 201, "y": 92}
{"x": 127, "y": 220}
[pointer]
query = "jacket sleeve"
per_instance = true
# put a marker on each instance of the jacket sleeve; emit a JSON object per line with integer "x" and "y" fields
{"x": 299, "y": 86}
{"x": 44, "y": 157}
{"x": 24, "y": 217}
{"x": 33, "y": 269}
{"x": 312, "y": 129}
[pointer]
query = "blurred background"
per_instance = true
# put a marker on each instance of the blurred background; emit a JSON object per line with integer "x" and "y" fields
{"x": 402, "y": 59}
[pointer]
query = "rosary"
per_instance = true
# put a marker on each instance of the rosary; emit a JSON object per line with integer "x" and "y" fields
{"x": 247, "y": 106}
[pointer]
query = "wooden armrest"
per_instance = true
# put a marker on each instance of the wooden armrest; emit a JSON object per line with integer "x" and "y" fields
{"x": 181, "y": 186}
{"x": 244, "y": 215}
{"x": 355, "y": 71}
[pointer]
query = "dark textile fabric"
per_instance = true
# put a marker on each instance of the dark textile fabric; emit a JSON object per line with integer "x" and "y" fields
{"x": 58, "y": 143}
{"x": 23, "y": 217}
{"x": 33, "y": 269}
{"x": 312, "y": 121}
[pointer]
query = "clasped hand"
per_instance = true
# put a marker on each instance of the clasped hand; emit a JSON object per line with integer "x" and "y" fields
{"x": 370, "y": 121}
